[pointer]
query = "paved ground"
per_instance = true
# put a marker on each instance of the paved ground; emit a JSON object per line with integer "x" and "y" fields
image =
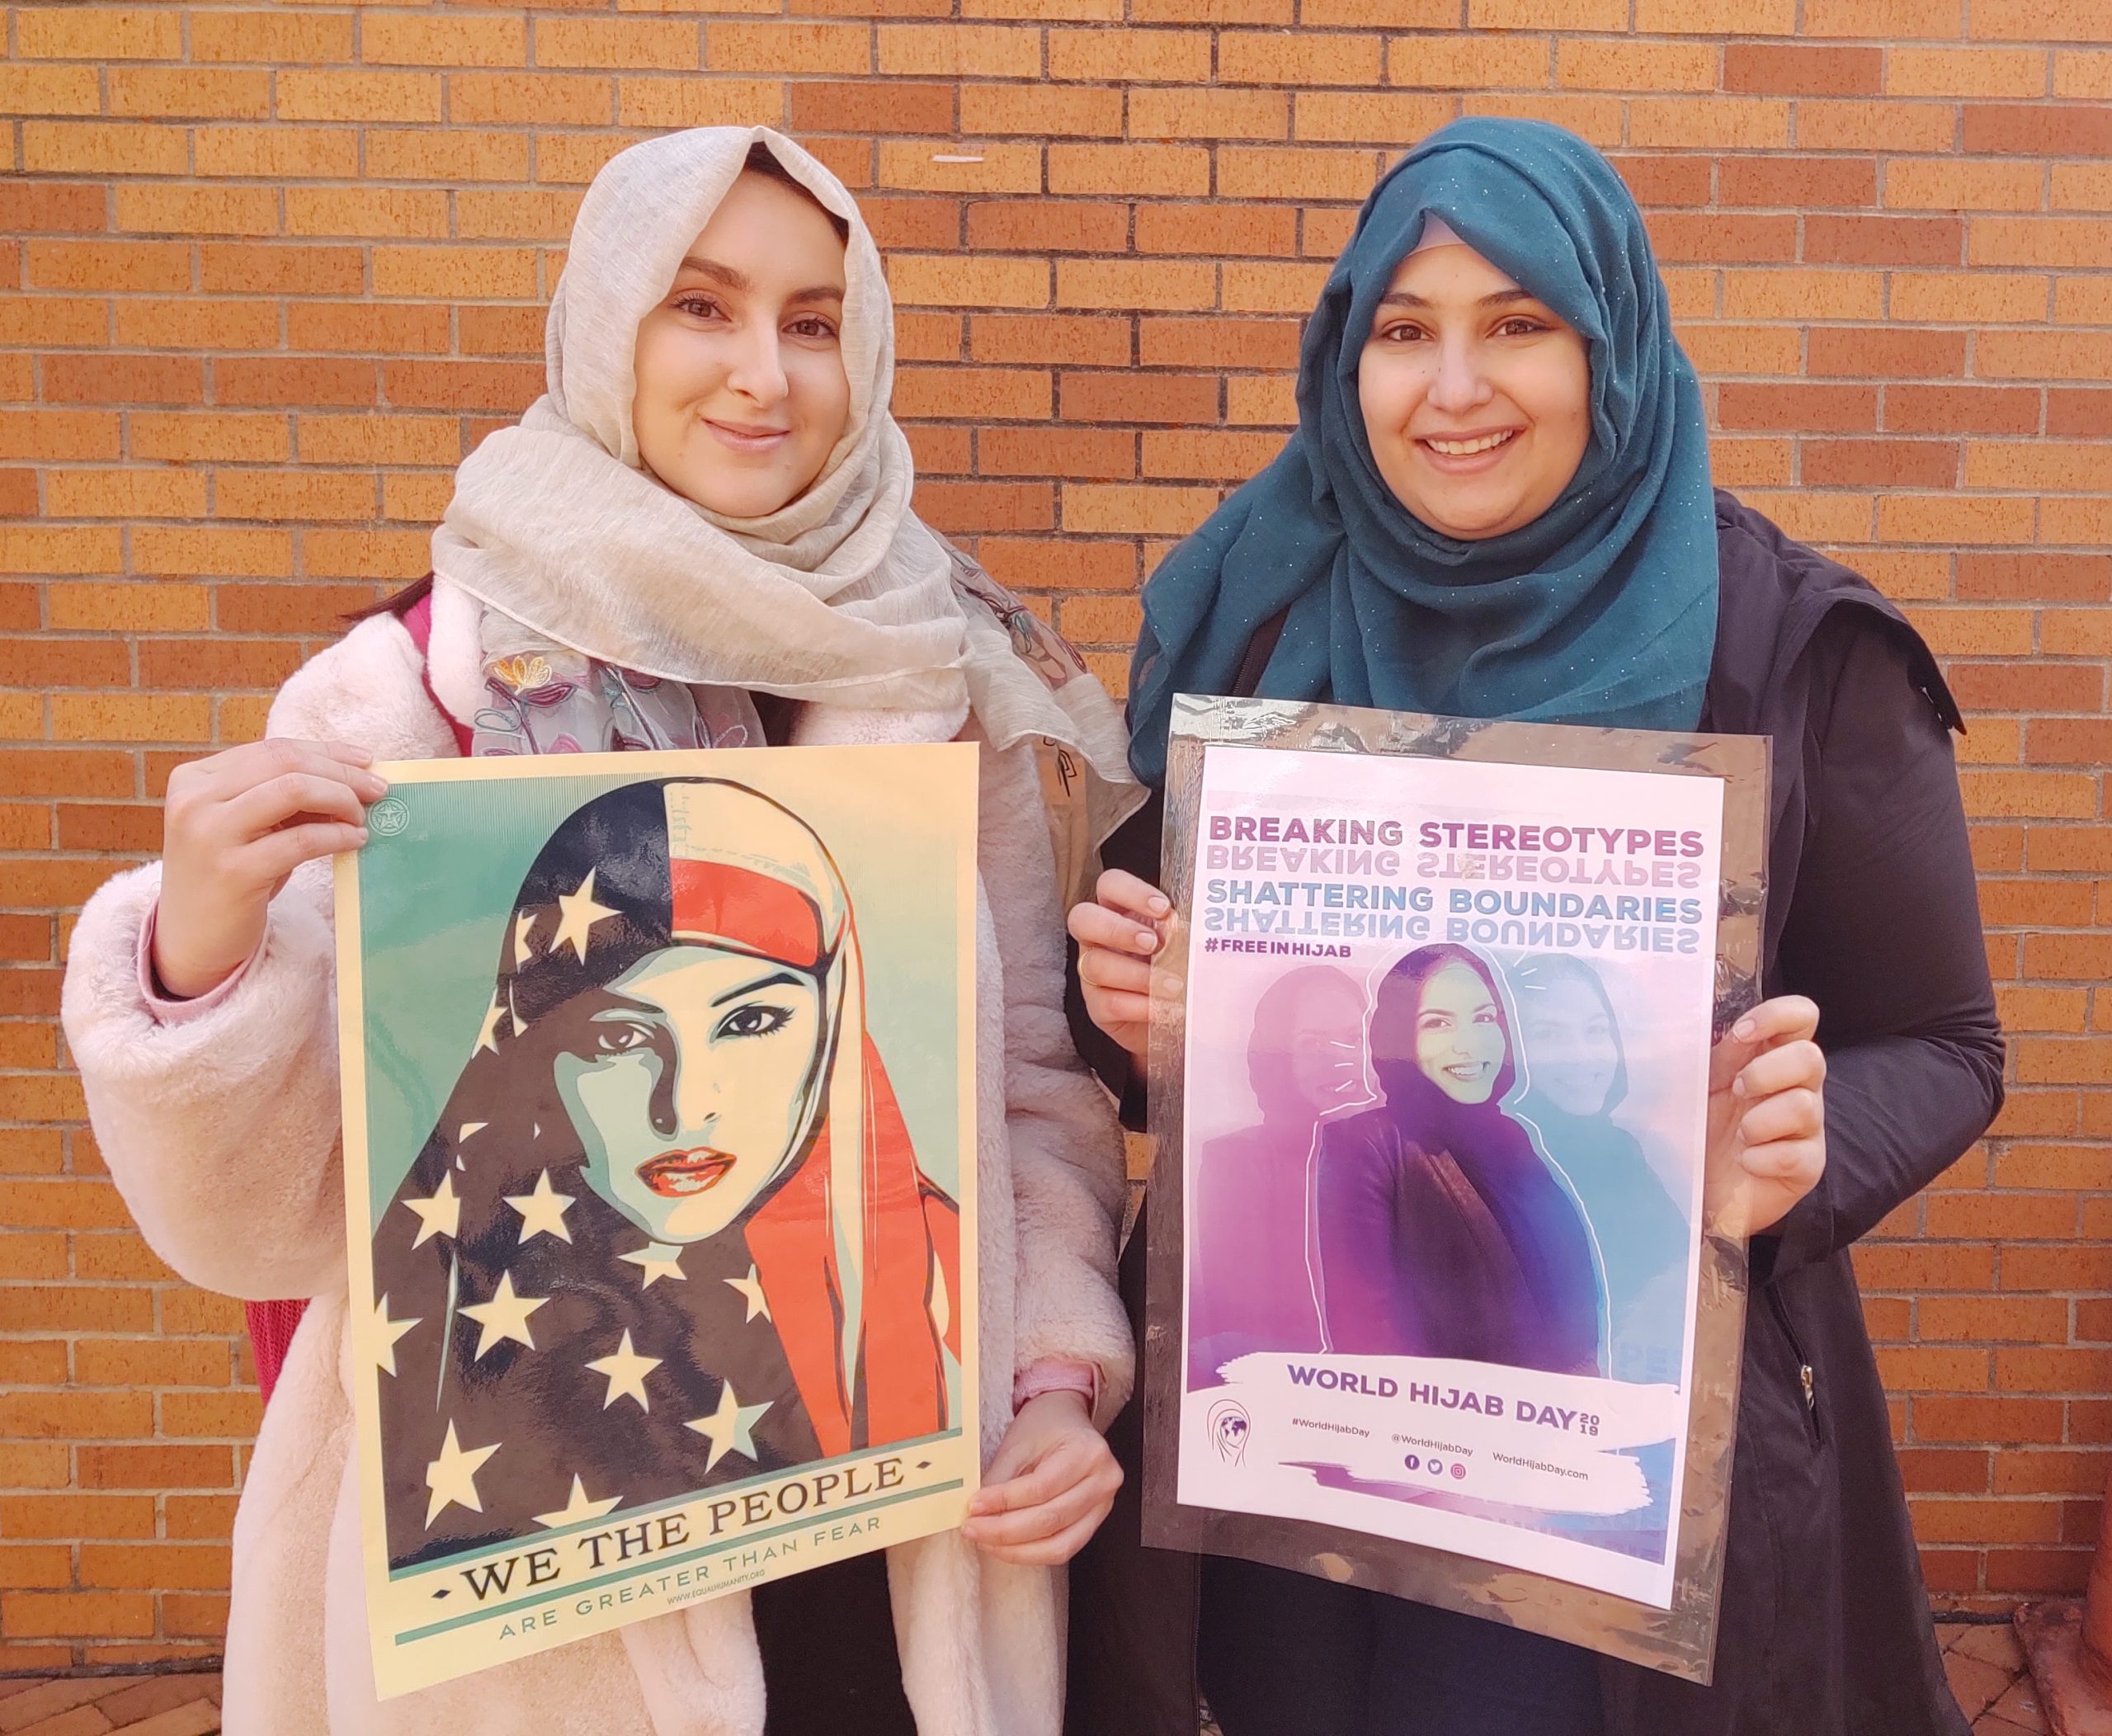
{"x": 1986, "y": 1667}
{"x": 93, "y": 1706}
{"x": 1985, "y": 1664}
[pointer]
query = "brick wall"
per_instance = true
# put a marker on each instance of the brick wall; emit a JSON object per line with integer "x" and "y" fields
{"x": 270, "y": 269}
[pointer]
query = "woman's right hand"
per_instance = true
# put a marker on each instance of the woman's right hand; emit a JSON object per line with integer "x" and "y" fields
{"x": 234, "y": 826}
{"x": 1117, "y": 935}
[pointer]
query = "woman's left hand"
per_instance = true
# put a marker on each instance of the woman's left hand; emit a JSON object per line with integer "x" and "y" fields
{"x": 1766, "y": 1116}
{"x": 1051, "y": 1483}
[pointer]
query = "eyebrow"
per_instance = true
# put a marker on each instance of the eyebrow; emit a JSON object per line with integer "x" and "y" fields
{"x": 1502, "y": 298}
{"x": 772, "y": 981}
{"x": 742, "y": 284}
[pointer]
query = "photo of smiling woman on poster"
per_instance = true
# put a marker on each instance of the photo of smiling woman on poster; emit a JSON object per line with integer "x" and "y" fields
{"x": 1442, "y": 1231}
{"x": 671, "y": 1191}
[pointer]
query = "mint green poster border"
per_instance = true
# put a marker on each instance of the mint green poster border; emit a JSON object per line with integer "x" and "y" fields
{"x": 436, "y": 884}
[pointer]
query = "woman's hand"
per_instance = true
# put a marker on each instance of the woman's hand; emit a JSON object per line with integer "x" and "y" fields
{"x": 1117, "y": 935}
{"x": 1051, "y": 1483}
{"x": 1766, "y": 1116}
{"x": 235, "y": 826}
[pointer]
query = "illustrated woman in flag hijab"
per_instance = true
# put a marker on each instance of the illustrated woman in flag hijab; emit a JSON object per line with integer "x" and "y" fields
{"x": 672, "y": 1189}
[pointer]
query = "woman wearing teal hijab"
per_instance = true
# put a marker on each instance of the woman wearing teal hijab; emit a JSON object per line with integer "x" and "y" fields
{"x": 1497, "y": 504}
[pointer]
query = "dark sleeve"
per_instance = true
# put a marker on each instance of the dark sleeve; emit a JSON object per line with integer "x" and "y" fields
{"x": 1133, "y": 846}
{"x": 1354, "y": 1213}
{"x": 1884, "y": 934}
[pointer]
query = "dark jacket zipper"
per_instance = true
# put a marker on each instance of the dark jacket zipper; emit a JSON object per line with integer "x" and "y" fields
{"x": 1806, "y": 1380}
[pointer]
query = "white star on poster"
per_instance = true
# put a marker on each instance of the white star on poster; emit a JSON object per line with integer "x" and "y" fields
{"x": 542, "y": 1212}
{"x": 440, "y": 1215}
{"x": 729, "y": 1428}
{"x": 750, "y": 1289}
{"x": 578, "y": 1508}
{"x": 487, "y": 1032}
{"x": 452, "y": 1477}
{"x": 626, "y": 1371}
{"x": 386, "y": 1332}
{"x": 505, "y": 1317}
{"x": 657, "y": 1261}
{"x": 524, "y": 929}
{"x": 577, "y": 915}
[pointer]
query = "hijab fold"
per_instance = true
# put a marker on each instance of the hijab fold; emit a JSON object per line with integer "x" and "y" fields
{"x": 1602, "y": 611}
{"x": 841, "y": 597}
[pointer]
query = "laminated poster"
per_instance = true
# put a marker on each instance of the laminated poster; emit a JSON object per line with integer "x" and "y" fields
{"x": 1440, "y": 1266}
{"x": 658, "y": 1110}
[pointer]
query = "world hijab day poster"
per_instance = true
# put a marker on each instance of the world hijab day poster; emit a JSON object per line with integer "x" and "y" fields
{"x": 659, "y": 1142}
{"x": 1447, "y": 1028}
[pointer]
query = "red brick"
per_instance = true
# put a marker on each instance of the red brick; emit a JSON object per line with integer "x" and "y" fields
{"x": 1797, "y": 183}
{"x": 1780, "y": 69}
{"x": 889, "y": 106}
{"x": 1957, "y": 409}
{"x": 1058, "y": 452}
{"x": 2085, "y": 413}
{"x": 1130, "y": 398}
{"x": 1048, "y": 225}
{"x": 1863, "y": 240}
{"x": 1813, "y": 408}
{"x": 970, "y": 506}
{"x": 2037, "y": 130}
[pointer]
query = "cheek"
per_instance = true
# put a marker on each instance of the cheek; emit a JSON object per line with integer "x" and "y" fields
{"x": 673, "y": 368}
{"x": 1388, "y": 389}
{"x": 823, "y": 391}
{"x": 1555, "y": 391}
{"x": 767, "y": 1095}
{"x": 614, "y": 1101}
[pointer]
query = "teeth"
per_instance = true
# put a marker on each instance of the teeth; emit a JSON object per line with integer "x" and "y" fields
{"x": 1463, "y": 448}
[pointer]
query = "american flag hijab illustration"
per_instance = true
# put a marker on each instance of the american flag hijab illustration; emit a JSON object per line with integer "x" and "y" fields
{"x": 555, "y": 1340}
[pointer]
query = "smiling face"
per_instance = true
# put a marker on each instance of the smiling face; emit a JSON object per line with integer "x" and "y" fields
{"x": 1572, "y": 1046}
{"x": 690, "y": 1089}
{"x": 742, "y": 393}
{"x": 1476, "y": 398}
{"x": 1459, "y": 1035}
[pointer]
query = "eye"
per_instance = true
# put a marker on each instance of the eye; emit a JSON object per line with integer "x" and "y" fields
{"x": 698, "y": 305}
{"x": 758, "y": 1019}
{"x": 1404, "y": 330}
{"x": 812, "y": 325}
{"x": 1521, "y": 325}
{"x": 621, "y": 1038}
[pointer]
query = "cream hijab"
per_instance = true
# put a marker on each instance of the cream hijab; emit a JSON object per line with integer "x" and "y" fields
{"x": 841, "y": 597}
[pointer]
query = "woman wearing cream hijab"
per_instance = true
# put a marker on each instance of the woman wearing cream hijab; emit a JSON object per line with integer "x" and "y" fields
{"x": 701, "y": 536}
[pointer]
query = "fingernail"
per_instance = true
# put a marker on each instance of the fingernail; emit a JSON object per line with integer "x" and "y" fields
{"x": 1161, "y": 907}
{"x": 1743, "y": 1028}
{"x": 363, "y": 834}
{"x": 1738, "y": 1086}
{"x": 1146, "y": 940}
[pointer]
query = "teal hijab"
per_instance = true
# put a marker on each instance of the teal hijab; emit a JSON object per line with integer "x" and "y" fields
{"x": 1602, "y": 611}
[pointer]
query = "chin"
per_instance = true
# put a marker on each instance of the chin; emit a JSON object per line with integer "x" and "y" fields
{"x": 753, "y": 500}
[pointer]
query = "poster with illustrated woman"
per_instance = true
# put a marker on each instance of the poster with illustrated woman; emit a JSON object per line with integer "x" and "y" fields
{"x": 657, "y": 1099}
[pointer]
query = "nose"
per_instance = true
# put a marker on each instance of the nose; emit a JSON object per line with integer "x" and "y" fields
{"x": 696, "y": 1100}
{"x": 758, "y": 370}
{"x": 1460, "y": 385}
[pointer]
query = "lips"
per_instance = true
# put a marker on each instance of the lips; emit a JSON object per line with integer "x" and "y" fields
{"x": 1470, "y": 446}
{"x": 681, "y": 1175}
{"x": 747, "y": 439}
